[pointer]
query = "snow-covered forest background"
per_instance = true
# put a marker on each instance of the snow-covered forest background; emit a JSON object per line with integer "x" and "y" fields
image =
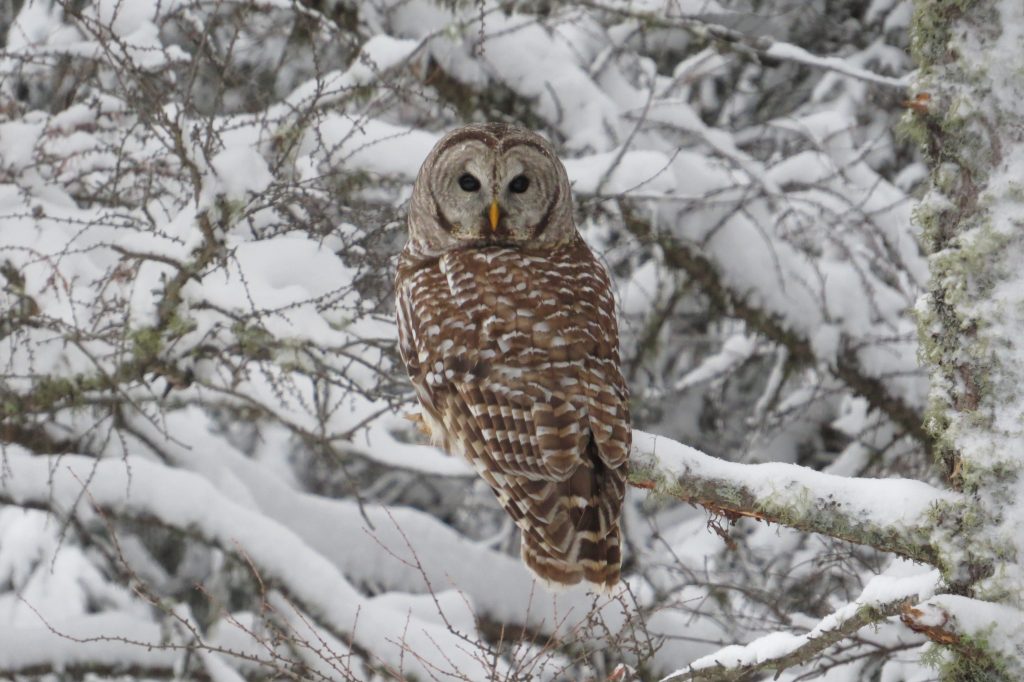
{"x": 207, "y": 472}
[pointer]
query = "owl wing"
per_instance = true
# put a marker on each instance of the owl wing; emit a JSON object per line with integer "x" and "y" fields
{"x": 547, "y": 352}
{"x": 547, "y": 423}
{"x": 437, "y": 341}
{"x": 515, "y": 361}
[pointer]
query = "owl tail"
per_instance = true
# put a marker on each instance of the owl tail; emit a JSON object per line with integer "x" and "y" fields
{"x": 571, "y": 532}
{"x": 597, "y": 562}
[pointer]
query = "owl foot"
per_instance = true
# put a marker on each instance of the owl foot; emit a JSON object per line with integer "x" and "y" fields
{"x": 421, "y": 424}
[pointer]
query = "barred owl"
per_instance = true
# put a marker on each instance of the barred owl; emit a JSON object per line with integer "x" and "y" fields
{"x": 507, "y": 328}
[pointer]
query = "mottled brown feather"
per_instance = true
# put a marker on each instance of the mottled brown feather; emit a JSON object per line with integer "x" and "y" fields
{"x": 550, "y": 417}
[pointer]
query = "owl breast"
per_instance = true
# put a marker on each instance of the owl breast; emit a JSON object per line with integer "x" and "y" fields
{"x": 514, "y": 357}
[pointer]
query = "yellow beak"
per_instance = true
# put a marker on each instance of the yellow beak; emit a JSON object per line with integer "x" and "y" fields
{"x": 494, "y": 215}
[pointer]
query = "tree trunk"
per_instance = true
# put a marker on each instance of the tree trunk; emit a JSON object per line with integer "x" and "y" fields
{"x": 967, "y": 114}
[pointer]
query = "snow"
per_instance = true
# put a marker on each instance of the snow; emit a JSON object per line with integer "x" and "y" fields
{"x": 370, "y": 145}
{"x": 237, "y": 172}
{"x": 197, "y": 249}
{"x": 261, "y": 276}
{"x": 796, "y": 53}
{"x": 735, "y": 350}
{"x": 517, "y": 49}
{"x": 17, "y": 142}
{"x": 888, "y": 502}
{"x": 377, "y": 55}
{"x": 139, "y": 488}
{"x": 395, "y": 548}
{"x": 125, "y": 18}
{"x": 616, "y": 172}
{"x": 111, "y": 639}
{"x": 909, "y": 583}
{"x": 1000, "y": 627}
{"x": 379, "y": 443}
{"x": 982, "y": 418}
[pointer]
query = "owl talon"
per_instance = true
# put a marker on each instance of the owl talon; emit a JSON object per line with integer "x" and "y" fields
{"x": 421, "y": 424}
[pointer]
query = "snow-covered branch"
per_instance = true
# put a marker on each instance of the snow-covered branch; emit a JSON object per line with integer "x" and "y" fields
{"x": 979, "y": 631}
{"x": 762, "y": 49}
{"x": 844, "y": 366}
{"x": 884, "y": 597}
{"x": 140, "y": 490}
{"x": 201, "y": 203}
{"x": 889, "y": 514}
{"x": 396, "y": 549}
{"x": 107, "y": 643}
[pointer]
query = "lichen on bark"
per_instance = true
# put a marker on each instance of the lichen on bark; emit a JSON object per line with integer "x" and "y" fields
{"x": 973, "y": 313}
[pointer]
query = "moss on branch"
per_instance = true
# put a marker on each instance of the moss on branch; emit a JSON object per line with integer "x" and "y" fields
{"x": 798, "y": 498}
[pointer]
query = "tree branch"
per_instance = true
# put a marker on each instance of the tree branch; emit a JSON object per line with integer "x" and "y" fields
{"x": 883, "y": 597}
{"x": 129, "y": 646}
{"x": 847, "y": 370}
{"x": 140, "y": 490}
{"x": 966, "y": 626}
{"x": 761, "y": 49}
{"x": 889, "y": 514}
{"x": 811, "y": 647}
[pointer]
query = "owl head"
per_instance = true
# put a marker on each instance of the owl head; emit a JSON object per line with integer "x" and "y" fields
{"x": 491, "y": 184}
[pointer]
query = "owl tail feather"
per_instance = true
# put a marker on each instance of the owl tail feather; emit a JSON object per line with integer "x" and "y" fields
{"x": 571, "y": 531}
{"x": 598, "y": 562}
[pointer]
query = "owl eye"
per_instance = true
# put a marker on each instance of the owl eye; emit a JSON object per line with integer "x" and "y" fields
{"x": 468, "y": 182}
{"x": 519, "y": 184}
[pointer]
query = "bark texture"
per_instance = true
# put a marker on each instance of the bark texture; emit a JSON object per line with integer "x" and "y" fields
{"x": 967, "y": 116}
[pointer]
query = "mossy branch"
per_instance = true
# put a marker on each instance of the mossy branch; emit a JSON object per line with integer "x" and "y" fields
{"x": 812, "y": 646}
{"x": 890, "y": 514}
{"x": 969, "y": 628}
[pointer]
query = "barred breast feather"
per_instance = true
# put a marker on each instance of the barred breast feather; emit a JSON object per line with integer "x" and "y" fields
{"x": 514, "y": 358}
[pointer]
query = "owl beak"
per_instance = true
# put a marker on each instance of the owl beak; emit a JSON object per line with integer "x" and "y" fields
{"x": 494, "y": 214}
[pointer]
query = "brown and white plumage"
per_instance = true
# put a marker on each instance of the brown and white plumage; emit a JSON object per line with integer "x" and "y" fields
{"x": 507, "y": 328}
